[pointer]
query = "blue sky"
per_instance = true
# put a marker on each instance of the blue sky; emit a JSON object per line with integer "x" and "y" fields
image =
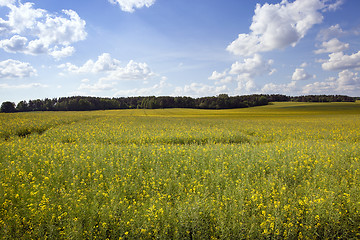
{"x": 116, "y": 48}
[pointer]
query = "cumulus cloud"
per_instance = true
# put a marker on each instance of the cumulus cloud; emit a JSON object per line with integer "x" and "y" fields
{"x": 246, "y": 45}
{"x": 333, "y": 31}
{"x": 320, "y": 88}
{"x": 132, "y": 71}
{"x": 300, "y": 74}
{"x": 251, "y": 66}
{"x": 200, "y": 89}
{"x": 331, "y": 46}
{"x": 217, "y": 76}
{"x": 221, "y": 78}
{"x": 244, "y": 72}
{"x": 156, "y": 89}
{"x": 334, "y": 6}
{"x": 276, "y": 26}
{"x": 245, "y": 85}
{"x": 6, "y": 2}
{"x": 35, "y": 31}
{"x": 112, "y": 68}
{"x": 110, "y": 72}
{"x": 341, "y": 61}
{"x": 347, "y": 82}
{"x": 15, "y": 69}
{"x": 287, "y": 88}
{"x": 14, "y": 44}
{"x": 104, "y": 63}
{"x": 131, "y": 5}
{"x": 63, "y": 52}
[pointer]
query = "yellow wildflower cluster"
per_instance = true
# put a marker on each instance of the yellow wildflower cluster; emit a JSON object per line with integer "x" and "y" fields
{"x": 283, "y": 171}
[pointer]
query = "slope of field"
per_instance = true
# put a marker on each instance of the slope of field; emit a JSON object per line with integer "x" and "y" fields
{"x": 283, "y": 171}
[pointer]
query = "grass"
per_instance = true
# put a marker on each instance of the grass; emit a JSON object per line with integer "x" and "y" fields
{"x": 283, "y": 171}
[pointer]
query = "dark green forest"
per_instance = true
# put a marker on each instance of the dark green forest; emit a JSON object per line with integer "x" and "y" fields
{"x": 222, "y": 101}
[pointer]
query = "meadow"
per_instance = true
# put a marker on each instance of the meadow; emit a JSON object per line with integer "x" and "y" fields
{"x": 282, "y": 171}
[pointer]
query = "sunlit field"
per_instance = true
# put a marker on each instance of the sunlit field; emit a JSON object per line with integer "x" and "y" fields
{"x": 283, "y": 171}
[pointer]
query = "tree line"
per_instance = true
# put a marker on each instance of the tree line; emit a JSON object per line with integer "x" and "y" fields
{"x": 222, "y": 101}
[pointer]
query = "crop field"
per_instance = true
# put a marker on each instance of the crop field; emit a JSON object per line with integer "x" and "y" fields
{"x": 282, "y": 171}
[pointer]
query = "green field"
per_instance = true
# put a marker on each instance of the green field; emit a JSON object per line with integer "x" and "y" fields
{"x": 282, "y": 171}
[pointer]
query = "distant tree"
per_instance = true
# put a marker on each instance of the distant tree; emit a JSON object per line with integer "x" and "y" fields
{"x": 8, "y": 107}
{"x": 84, "y": 105}
{"x": 222, "y": 101}
{"x": 263, "y": 101}
{"x": 36, "y": 105}
{"x": 223, "y": 95}
{"x": 48, "y": 105}
{"x": 22, "y": 106}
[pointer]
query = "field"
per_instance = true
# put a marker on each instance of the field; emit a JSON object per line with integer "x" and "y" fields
{"x": 283, "y": 171}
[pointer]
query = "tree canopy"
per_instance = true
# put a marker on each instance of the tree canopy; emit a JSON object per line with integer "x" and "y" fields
{"x": 8, "y": 107}
{"x": 222, "y": 101}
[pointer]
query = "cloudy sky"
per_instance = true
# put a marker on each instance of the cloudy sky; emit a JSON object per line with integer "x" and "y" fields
{"x": 115, "y": 48}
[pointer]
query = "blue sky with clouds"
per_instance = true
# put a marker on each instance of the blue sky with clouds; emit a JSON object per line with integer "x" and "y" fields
{"x": 115, "y": 48}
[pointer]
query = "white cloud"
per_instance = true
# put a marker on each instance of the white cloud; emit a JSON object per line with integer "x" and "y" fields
{"x": 271, "y": 88}
{"x": 246, "y": 71}
{"x": 272, "y": 72}
{"x": 15, "y": 69}
{"x": 110, "y": 71}
{"x": 23, "y": 86}
{"x": 14, "y": 44}
{"x": 156, "y": 89}
{"x": 334, "y": 6}
{"x": 104, "y": 63}
{"x": 37, "y": 47}
{"x": 200, "y": 89}
{"x": 63, "y": 52}
{"x": 102, "y": 85}
{"x": 246, "y": 85}
{"x": 61, "y": 30}
{"x": 6, "y": 2}
{"x": 276, "y": 26}
{"x": 132, "y": 71}
{"x": 243, "y": 73}
{"x": 319, "y": 88}
{"x": 217, "y": 76}
{"x": 113, "y": 69}
{"x": 331, "y": 46}
{"x": 340, "y": 61}
{"x": 300, "y": 74}
{"x": 347, "y": 82}
{"x": 335, "y": 31}
{"x": 304, "y": 64}
{"x": 221, "y": 78}
{"x": 97, "y": 87}
{"x": 331, "y": 32}
{"x": 246, "y": 45}
{"x": 36, "y": 31}
{"x": 23, "y": 17}
{"x": 251, "y": 66}
{"x": 130, "y": 5}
